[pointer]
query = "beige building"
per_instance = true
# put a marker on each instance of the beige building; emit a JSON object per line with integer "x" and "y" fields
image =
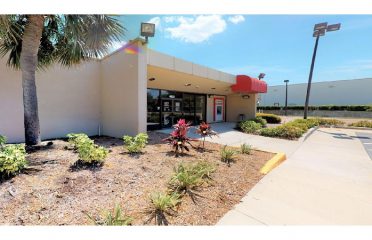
{"x": 341, "y": 92}
{"x": 126, "y": 93}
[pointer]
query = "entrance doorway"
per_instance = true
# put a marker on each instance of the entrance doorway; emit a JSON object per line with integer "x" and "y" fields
{"x": 165, "y": 108}
{"x": 219, "y": 109}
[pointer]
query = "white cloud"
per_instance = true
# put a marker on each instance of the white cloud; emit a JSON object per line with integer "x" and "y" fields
{"x": 236, "y": 19}
{"x": 196, "y": 29}
{"x": 169, "y": 19}
{"x": 157, "y": 22}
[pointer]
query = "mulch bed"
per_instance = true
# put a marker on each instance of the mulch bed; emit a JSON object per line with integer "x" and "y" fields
{"x": 57, "y": 190}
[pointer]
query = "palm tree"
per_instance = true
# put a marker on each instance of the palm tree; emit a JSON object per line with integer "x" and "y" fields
{"x": 34, "y": 42}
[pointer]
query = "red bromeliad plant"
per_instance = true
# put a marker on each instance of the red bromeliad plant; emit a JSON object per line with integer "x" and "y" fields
{"x": 205, "y": 130}
{"x": 178, "y": 138}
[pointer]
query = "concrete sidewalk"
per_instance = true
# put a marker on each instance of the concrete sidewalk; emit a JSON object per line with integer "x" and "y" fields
{"x": 326, "y": 180}
{"x": 229, "y": 136}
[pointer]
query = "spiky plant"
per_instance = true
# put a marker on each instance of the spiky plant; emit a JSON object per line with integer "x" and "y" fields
{"x": 245, "y": 148}
{"x": 227, "y": 155}
{"x": 34, "y": 42}
{"x": 112, "y": 218}
{"x": 161, "y": 206}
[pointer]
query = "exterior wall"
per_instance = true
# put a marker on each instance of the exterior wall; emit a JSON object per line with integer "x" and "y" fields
{"x": 237, "y": 105}
{"x": 124, "y": 86}
{"x": 68, "y": 101}
{"x": 210, "y": 107}
{"x": 345, "y": 92}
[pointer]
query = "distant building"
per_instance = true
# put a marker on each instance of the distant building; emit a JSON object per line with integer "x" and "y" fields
{"x": 342, "y": 92}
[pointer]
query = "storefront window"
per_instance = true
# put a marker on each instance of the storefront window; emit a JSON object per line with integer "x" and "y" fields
{"x": 165, "y": 108}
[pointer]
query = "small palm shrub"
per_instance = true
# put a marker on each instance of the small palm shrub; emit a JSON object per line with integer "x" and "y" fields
{"x": 249, "y": 126}
{"x": 245, "y": 148}
{"x": 363, "y": 123}
{"x": 112, "y": 218}
{"x": 89, "y": 153}
{"x": 161, "y": 205}
{"x": 137, "y": 143}
{"x": 270, "y": 118}
{"x": 184, "y": 179}
{"x": 2, "y": 140}
{"x": 12, "y": 159}
{"x": 178, "y": 139}
{"x": 227, "y": 155}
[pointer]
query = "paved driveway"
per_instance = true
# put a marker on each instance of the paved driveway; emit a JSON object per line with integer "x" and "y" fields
{"x": 327, "y": 180}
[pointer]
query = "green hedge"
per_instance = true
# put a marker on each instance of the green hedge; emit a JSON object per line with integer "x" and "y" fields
{"x": 363, "y": 123}
{"x": 270, "y": 118}
{"x": 296, "y": 128}
{"x": 362, "y": 108}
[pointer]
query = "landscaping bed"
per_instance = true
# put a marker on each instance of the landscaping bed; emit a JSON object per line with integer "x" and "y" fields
{"x": 54, "y": 191}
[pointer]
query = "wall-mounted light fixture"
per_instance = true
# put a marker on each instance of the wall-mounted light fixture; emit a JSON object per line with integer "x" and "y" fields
{"x": 245, "y": 96}
{"x": 210, "y": 95}
{"x": 151, "y": 79}
{"x": 187, "y": 84}
{"x": 147, "y": 30}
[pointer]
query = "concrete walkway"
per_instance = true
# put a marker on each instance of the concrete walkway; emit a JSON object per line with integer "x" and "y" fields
{"x": 229, "y": 136}
{"x": 326, "y": 180}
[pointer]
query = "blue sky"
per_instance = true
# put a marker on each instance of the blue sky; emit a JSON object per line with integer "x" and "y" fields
{"x": 279, "y": 45}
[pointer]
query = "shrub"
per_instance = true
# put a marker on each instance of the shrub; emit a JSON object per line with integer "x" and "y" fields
{"x": 310, "y": 122}
{"x": 12, "y": 159}
{"x": 227, "y": 155}
{"x": 249, "y": 126}
{"x": 261, "y": 121}
{"x": 245, "y": 148}
{"x": 363, "y": 123}
{"x": 89, "y": 153}
{"x": 162, "y": 204}
{"x": 329, "y": 122}
{"x": 115, "y": 218}
{"x": 270, "y": 118}
{"x": 287, "y": 131}
{"x": 2, "y": 140}
{"x": 178, "y": 138}
{"x": 78, "y": 139}
{"x": 135, "y": 144}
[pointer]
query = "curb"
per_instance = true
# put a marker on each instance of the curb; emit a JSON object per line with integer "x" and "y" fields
{"x": 308, "y": 133}
{"x": 273, "y": 162}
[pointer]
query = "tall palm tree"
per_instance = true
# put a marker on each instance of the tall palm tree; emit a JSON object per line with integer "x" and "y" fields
{"x": 34, "y": 42}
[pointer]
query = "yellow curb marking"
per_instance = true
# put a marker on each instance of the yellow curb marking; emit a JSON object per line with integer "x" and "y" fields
{"x": 273, "y": 162}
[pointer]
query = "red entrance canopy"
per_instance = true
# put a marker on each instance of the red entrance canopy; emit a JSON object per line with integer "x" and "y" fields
{"x": 247, "y": 84}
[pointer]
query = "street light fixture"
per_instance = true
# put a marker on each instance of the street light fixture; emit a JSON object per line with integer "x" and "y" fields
{"x": 319, "y": 30}
{"x": 286, "y": 96}
{"x": 262, "y": 75}
{"x": 147, "y": 30}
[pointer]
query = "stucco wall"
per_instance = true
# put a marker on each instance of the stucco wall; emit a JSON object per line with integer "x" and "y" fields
{"x": 345, "y": 92}
{"x": 69, "y": 101}
{"x": 123, "y": 87}
{"x": 237, "y": 105}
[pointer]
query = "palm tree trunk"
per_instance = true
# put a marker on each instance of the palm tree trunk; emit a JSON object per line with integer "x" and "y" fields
{"x": 28, "y": 61}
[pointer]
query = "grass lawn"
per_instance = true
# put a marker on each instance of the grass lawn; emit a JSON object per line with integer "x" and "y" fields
{"x": 50, "y": 192}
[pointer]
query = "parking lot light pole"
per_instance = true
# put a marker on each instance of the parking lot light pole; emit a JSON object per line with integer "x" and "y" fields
{"x": 319, "y": 30}
{"x": 286, "y": 96}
